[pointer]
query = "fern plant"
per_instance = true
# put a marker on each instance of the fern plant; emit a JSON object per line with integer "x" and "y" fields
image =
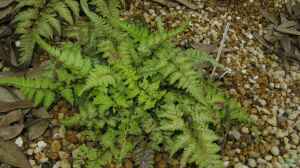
{"x": 43, "y": 18}
{"x": 132, "y": 87}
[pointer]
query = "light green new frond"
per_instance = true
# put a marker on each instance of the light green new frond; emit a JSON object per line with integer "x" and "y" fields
{"x": 100, "y": 76}
{"x": 138, "y": 33}
{"x": 150, "y": 94}
{"x": 68, "y": 95}
{"x": 64, "y": 76}
{"x": 108, "y": 49}
{"x": 171, "y": 118}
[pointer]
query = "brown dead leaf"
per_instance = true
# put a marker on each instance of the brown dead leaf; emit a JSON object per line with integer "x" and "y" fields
{"x": 9, "y": 132}
{"x": 10, "y": 118}
{"x": 9, "y": 106}
{"x": 5, "y": 3}
{"x": 5, "y": 31}
{"x": 188, "y": 4}
{"x": 41, "y": 113}
{"x": 37, "y": 128}
{"x": 208, "y": 48}
{"x": 5, "y": 12}
{"x": 291, "y": 31}
{"x": 6, "y": 95}
{"x": 12, "y": 155}
{"x": 166, "y": 3}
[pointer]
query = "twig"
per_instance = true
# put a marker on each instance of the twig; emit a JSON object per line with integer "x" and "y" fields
{"x": 187, "y": 4}
{"x": 172, "y": 4}
{"x": 166, "y": 3}
{"x": 222, "y": 44}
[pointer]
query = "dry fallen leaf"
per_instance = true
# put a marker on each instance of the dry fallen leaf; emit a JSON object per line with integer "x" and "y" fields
{"x": 5, "y": 3}
{"x": 9, "y": 132}
{"x": 37, "y": 128}
{"x": 6, "y": 12}
{"x": 12, "y": 155}
{"x": 41, "y": 113}
{"x": 6, "y": 96}
{"x": 10, "y": 118}
{"x": 9, "y": 106}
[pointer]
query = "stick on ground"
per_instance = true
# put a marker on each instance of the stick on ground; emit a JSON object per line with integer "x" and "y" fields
{"x": 222, "y": 44}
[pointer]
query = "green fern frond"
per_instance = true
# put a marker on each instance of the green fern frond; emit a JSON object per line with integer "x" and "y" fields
{"x": 74, "y": 6}
{"x": 41, "y": 91}
{"x": 41, "y": 17}
{"x": 70, "y": 56}
{"x": 63, "y": 11}
{"x": 100, "y": 76}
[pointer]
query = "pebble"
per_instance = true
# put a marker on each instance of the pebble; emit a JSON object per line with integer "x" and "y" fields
{"x": 240, "y": 165}
{"x": 41, "y": 157}
{"x": 32, "y": 162}
{"x": 295, "y": 138}
{"x": 29, "y": 152}
{"x": 65, "y": 164}
{"x": 41, "y": 145}
{"x": 63, "y": 155}
{"x": 236, "y": 134}
{"x": 275, "y": 151}
{"x": 55, "y": 146}
{"x": 245, "y": 130}
{"x": 268, "y": 157}
{"x": 252, "y": 162}
{"x": 19, "y": 142}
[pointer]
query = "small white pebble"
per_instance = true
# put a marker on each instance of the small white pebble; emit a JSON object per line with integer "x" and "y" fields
{"x": 18, "y": 43}
{"x": 56, "y": 165}
{"x": 29, "y": 152}
{"x": 32, "y": 162}
{"x": 41, "y": 145}
{"x": 275, "y": 151}
{"x": 19, "y": 142}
